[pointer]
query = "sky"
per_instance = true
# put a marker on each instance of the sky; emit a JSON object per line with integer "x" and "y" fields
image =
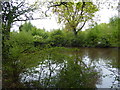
{"x": 51, "y": 23}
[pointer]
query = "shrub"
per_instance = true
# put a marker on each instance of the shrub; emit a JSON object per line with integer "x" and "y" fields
{"x": 23, "y": 40}
{"x": 57, "y": 38}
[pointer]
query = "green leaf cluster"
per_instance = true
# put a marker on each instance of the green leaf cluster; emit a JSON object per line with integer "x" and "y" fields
{"x": 72, "y": 14}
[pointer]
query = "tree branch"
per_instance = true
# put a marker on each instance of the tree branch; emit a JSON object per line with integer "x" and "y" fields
{"x": 55, "y": 5}
{"x": 81, "y": 14}
{"x": 27, "y": 19}
{"x": 82, "y": 26}
{"x": 61, "y": 3}
{"x": 83, "y": 5}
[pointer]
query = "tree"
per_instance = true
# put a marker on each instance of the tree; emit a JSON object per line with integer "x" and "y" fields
{"x": 12, "y": 11}
{"x": 74, "y": 15}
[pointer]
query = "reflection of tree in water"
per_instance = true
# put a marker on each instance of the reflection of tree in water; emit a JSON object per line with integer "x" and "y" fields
{"x": 61, "y": 70}
{"x": 103, "y": 53}
{"x": 77, "y": 74}
{"x": 107, "y": 55}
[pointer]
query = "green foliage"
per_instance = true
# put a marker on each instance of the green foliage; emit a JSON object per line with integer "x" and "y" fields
{"x": 18, "y": 43}
{"x": 72, "y": 14}
{"x": 39, "y": 35}
{"x": 57, "y": 38}
{"x": 12, "y": 11}
{"x": 78, "y": 41}
{"x": 102, "y": 35}
{"x": 38, "y": 38}
{"x": 68, "y": 41}
{"x": 23, "y": 54}
{"x": 115, "y": 31}
{"x": 39, "y": 32}
{"x": 26, "y": 27}
{"x": 22, "y": 39}
{"x": 62, "y": 71}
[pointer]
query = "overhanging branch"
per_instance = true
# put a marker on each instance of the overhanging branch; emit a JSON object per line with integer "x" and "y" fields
{"x": 27, "y": 19}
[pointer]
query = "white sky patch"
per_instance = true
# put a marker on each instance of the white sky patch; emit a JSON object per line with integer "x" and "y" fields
{"x": 48, "y": 24}
{"x": 106, "y": 14}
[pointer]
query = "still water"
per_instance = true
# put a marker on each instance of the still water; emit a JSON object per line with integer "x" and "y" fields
{"x": 84, "y": 67}
{"x": 106, "y": 60}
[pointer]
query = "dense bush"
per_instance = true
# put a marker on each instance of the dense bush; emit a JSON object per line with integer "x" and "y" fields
{"x": 18, "y": 43}
{"x": 115, "y": 31}
{"x": 23, "y": 43}
{"x": 57, "y": 38}
{"x": 26, "y": 27}
{"x": 100, "y": 35}
{"x": 39, "y": 35}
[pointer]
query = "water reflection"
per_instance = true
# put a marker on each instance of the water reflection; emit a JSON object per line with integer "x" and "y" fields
{"x": 106, "y": 60}
{"x": 84, "y": 67}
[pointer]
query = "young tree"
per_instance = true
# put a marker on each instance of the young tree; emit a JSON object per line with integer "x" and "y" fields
{"x": 12, "y": 11}
{"x": 74, "y": 15}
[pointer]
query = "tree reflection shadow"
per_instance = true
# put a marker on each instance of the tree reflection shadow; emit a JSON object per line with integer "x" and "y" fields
{"x": 58, "y": 69}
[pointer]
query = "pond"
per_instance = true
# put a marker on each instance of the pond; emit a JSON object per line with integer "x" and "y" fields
{"x": 74, "y": 68}
{"x": 106, "y": 61}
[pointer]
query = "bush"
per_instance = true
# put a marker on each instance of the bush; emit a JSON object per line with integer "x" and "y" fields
{"x": 20, "y": 42}
{"x": 102, "y": 35}
{"x": 57, "y": 38}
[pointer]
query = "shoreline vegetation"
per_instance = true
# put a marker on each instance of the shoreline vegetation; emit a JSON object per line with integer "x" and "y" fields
{"x": 32, "y": 46}
{"x": 102, "y": 35}
{"x": 36, "y": 58}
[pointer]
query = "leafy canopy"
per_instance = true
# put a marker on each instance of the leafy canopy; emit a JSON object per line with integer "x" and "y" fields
{"x": 73, "y": 14}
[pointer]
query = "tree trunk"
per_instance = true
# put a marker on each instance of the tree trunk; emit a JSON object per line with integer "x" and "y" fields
{"x": 75, "y": 32}
{"x": 5, "y": 37}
